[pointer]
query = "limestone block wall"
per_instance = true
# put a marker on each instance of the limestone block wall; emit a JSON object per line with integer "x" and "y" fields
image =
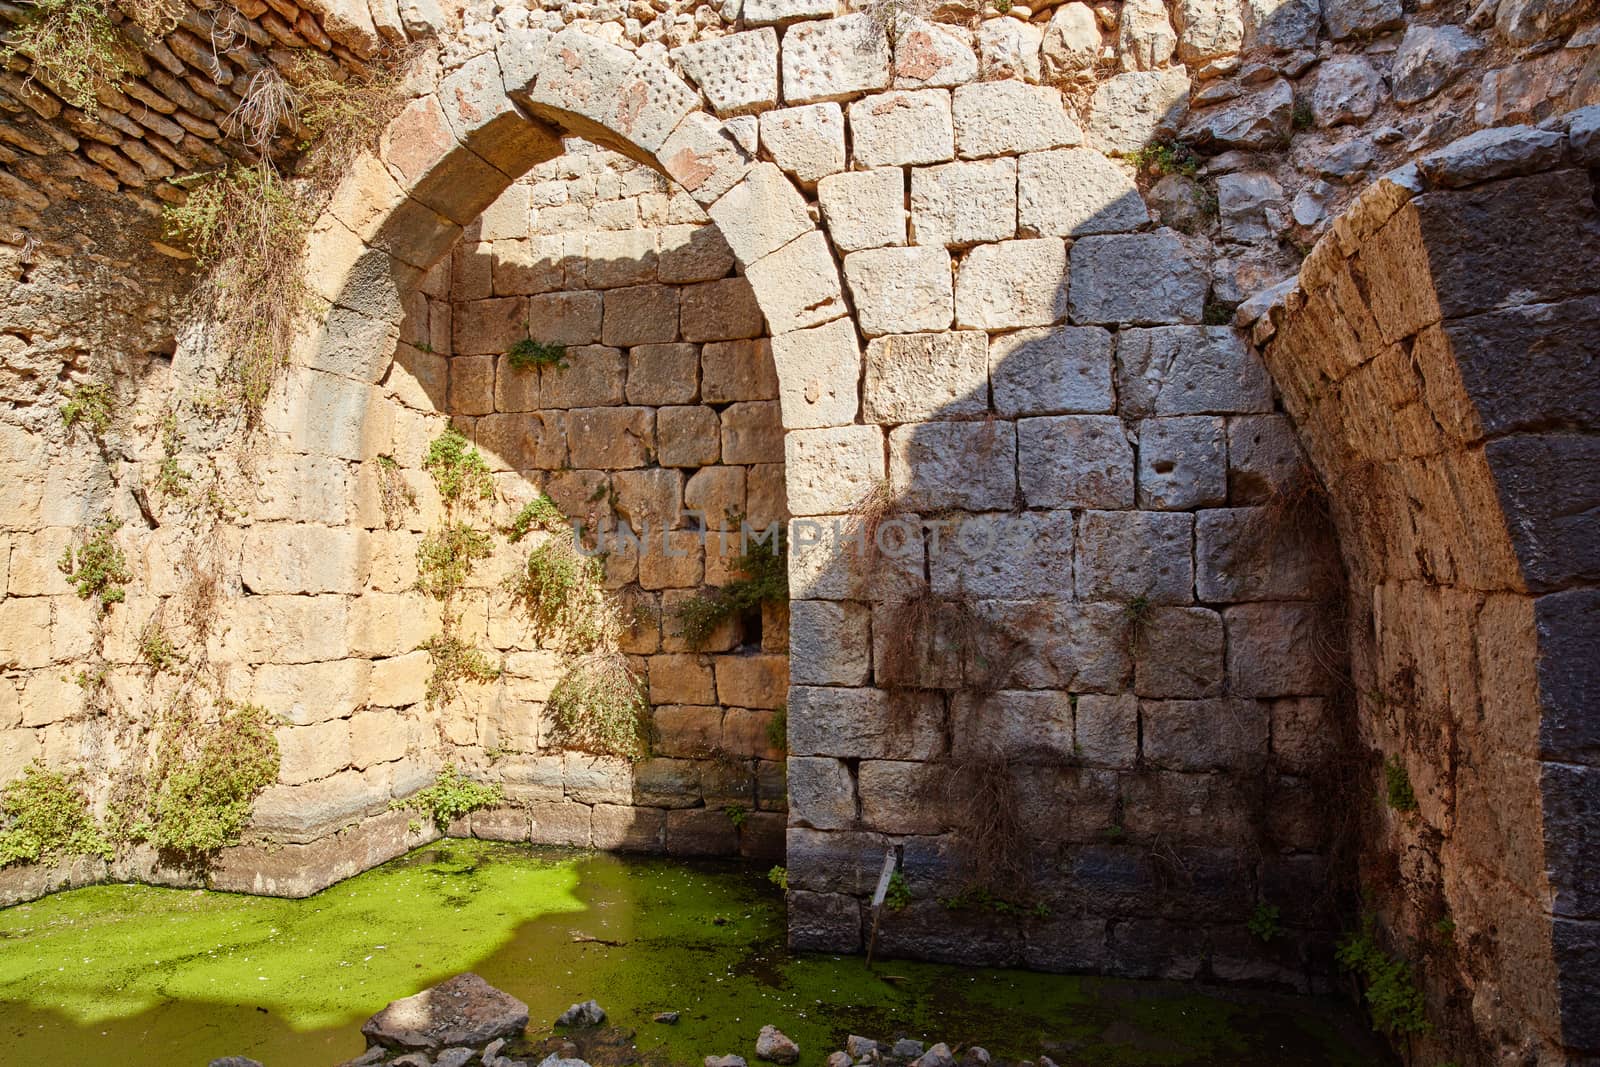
{"x": 1438, "y": 352}
{"x": 664, "y": 420}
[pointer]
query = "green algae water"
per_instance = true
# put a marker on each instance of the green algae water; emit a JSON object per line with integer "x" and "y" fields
{"x": 138, "y": 975}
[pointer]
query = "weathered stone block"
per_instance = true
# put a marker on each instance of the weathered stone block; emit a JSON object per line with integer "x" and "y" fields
{"x": 738, "y": 73}
{"x": 701, "y": 832}
{"x": 737, "y": 370}
{"x": 864, "y": 209}
{"x": 1259, "y": 554}
{"x": 313, "y": 751}
{"x": 1275, "y": 649}
{"x": 662, "y": 374}
{"x": 1106, "y": 730}
{"x": 861, "y": 723}
{"x": 831, "y": 470}
{"x": 1136, "y": 278}
{"x": 1075, "y": 461}
{"x": 1002, "y": 118}
{"x": 1008, "y": 48}
{"x": 1189, "y": 370}
{"x": 722, "y": 310}
{"x": 561, "y": 319}
{"x": 1259, "y": 120}
{"x": 482, "y": 118}
{"x": 821, "y": 371}
{"x": 900, "y": 290}
{"x": 640, "y": 315}
{"x": 798, "y": 285}
{"x": 1047, "y": 371}
{"x": 594, "y": 377}
{"x": 930, "y": 55}
{"x": 693, "y": 253}
{"x": 834, "y": 60}
{"x": 1013, "y": 283}
{"x": 703, "y": 157}
{"x": 1076, "y": 191}
{"x": 915, "y": 377}
{"x": 623, "y": 828}
{"x": 1182, "y": 462}
{"x": 563, "y": 822}
{"x": 896, "y": 797}
{"x": 968, "y": 465}
{"x": 1126, "y": 555}
{"x": 829, "y": 643}
{"x": 783, "y": 12}
{"x": 1179, "y": 653}
{"x": 1022, "y": 725}
{"x": 806, "y": 141}
{"x": 1129, "y": 111}
{"x": 597, "y": 88}
{"x": 824, "y": 922}
{"x": 964, "y": 203}
{"x": 610, "y": 438}
{"x": 822, "y": 793}
{"x": 902, "y": 129}
{"x": 752, "y": 432}
{"x": 1004, "y": 557}
{"x": 760, "y": 214}
{"x": 1205, "y": 735}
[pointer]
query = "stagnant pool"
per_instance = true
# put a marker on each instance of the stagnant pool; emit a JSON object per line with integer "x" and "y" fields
{"x": 137, "y": 975}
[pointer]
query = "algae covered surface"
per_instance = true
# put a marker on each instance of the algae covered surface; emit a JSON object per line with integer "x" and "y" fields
{"x": 146, "y": 976}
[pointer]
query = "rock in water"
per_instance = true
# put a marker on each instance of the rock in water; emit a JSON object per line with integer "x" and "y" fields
{"x": 775, "y": 1046}
{"x": 725, "y": 1061}
{"x": 555, "y": 1060}
{"x": 454, "y": 1057}
{"x": 589, "y": 1013}
{"x": 937, "y": 1056}
{"x": 839, "y": 1059}
{"x": 234, "y": 1061}
{"x": 464, "y": 1010}
{"x": 906, "y": 1049}
{"x": 668, "y": 1017}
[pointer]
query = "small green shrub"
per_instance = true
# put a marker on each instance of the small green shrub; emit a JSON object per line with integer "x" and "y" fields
{"x": 90, "y": 405}
{"x": 1166, "y": 157}
{"x": 156, "y": 648}
{"x": 598, "y": 706}
{"x": 450, "y": 796}
{"x": 205, "y": 780}
{"x": 527, "y": 354}
{"x": 779, "y": 876}
{"x": 98, "y": 568}
{"x": 979, "y": 898}
{"x": 394, "y": 495}
{"x": 1217, "y": 313}
{"x": 764, "y": 578}
{"x": 540, "y": 513}
{"x": 898, "y": 895}
{"x": 247, "y": 227}
{"x": 75, "y": 47}
{"x": 737, "y": 814}
{"x": 1264, "y": 923}
{"x": 458, "y": 469}
{"x": 446, "y": 556}
{"x": 1397, "y": 785}
{"x": 778, "y": 728}
{"x": 43, "y": 817}
{"x": 1391, "y": 991}
{"x": 1303, "y": 118}
{"x": 455, "y": 660}
{"x": 171, "y": 479}
{"x": 562, "y": 593}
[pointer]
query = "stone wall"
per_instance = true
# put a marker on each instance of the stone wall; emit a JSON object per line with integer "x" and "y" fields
{"x": 664, "y": 420}
{"x": 1438, "y": 354}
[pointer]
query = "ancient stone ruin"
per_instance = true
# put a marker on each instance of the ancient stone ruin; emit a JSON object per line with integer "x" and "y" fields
{"x": 1132, "y": 463}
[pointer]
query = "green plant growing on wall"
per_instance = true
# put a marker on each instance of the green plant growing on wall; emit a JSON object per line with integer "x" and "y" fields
{"x": 157, "y": 649}
{"x": 1391, "y": 990}
{"x": 540, "y": 513}
{"x": 171, "y": 479}
{"x": 43, "y": 817}
{"x": 778, "y": 728}
{"x": 898, "y": 896}
{"x": 76, "y": 49}
{"x": 737, "y": 814}
{"x": 528, "y": 354}
{"x": 207, "y": 776}
{"x": 89, "y": 404}
{"x": 458, "y": 469}
{"x": 1166, "y": 157}
{"x": 395, "y": 497}
{"x": 764, "y": 579}
{"x": 446, "y": 555}
{"x": 455, "y": 660}
{"x": 451, "y": 796}
{"x": 598, "y": 706}
{"x": 779, "y": 876}
{"x": 562, "y": 593}
{"x": 1264, "y": 924}
{"x": 1137, "y": 612}
{"x": 247, "y": 228}
{"x": 1397, "y": 786}
{"x": 97, "y": 567}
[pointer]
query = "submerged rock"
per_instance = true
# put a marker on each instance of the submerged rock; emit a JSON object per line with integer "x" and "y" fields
{"x": 668, "y": 1017}
{"x": 555, "y": 1059}
{"x": 937, "y": 1056}
{"x": 464, "y": 1010}
{"x": 774, "y": 1045}
{"x": 234, "y": 1061}
{"x": 589, "y": 1013}
{"x": 839, "y": 1059}
{"x": 725, "y": 1061}
{"x": 906, "y": 1049}
{"x": 860, "y": 1047}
